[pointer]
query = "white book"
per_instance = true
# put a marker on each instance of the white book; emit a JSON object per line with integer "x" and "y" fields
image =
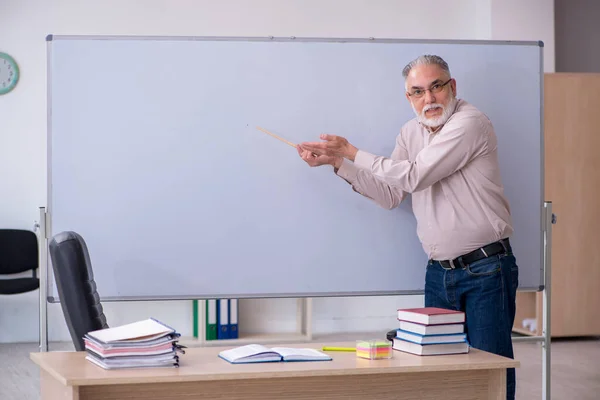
{"x": 431, "y": 329}
{"x": 141, "y": 331}
{"x": 430, "y": 349}
{"x": 129, "y": 344}
{"x": 431, "y": 315}
{"x": 131, "y": 351}
{"x": 167, "y": 361}
{"x": 255, "y": 353}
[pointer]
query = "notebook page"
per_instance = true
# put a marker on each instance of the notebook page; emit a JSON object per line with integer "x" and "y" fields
{"x": 300, "y": 354}
{"x": 246, "y": 351}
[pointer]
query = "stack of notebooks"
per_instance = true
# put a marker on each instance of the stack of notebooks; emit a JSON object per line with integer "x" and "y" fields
{"x": 431, "y": 331}
{"x": 143, "y": 344}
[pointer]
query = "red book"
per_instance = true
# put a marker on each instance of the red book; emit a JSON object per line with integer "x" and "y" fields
{"x": 431, "y": 316}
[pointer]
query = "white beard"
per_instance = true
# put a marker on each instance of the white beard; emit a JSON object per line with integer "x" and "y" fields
{"x": 437, "y": 121}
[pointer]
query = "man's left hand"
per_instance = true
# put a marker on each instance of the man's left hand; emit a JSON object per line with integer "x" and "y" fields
{"x": 335, "y": 146}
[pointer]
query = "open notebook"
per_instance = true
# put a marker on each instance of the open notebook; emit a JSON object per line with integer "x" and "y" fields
{"x": 255, "y": 353}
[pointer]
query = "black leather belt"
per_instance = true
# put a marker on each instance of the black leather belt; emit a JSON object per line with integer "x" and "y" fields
{"x": 492, "y": 249}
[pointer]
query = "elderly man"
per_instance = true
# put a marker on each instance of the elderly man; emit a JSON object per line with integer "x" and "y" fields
{"x": 447, "y": 158}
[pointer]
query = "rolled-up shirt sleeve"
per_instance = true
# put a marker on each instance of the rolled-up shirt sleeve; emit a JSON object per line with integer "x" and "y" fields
{"x": 367, "y": 184}
{"x": 456, "y": 145}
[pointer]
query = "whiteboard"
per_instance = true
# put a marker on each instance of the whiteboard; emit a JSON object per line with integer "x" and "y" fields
{"x": 155, "y": 159}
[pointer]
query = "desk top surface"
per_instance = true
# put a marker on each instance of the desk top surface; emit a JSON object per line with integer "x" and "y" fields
{"x": 203, "y": 363}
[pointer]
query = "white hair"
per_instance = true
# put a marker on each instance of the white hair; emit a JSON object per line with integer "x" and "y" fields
{"x": 426, "y": 59}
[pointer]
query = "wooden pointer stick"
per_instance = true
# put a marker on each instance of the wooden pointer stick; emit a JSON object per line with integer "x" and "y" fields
{"x": 280, "y": 138}
{"x": 275, "y": 136}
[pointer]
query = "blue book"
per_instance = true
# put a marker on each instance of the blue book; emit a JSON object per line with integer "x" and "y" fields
{"x": 430, "y": 339}
{"x": 222, "y": 319}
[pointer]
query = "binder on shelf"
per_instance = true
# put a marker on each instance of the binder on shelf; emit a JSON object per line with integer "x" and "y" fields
{"x": 211, "y": 319}
{"x": 195, "y": 318}
{"x": 223, "y": 319}
{"x": 233, "y": 318}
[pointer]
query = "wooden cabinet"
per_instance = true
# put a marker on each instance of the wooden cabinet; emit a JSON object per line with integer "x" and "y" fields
{"x": 572, "y": 183}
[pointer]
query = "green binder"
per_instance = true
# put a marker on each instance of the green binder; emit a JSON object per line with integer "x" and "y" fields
{"x": 211, "y": 319}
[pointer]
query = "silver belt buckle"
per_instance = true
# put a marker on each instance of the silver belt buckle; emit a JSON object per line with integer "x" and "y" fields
{"x": 452, "y": 264}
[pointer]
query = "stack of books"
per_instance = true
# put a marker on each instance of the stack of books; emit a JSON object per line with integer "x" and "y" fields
{"x": 431, "y": 331}
{"x": 143, "y": 344}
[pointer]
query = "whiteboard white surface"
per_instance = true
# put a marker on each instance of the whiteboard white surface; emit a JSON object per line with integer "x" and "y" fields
{"x": 155, "y": 160}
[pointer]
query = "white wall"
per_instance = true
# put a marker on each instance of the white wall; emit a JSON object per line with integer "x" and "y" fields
{"x": 22, "y": 146}
{"x": 525, "y": 20}
{"x": 25, "y": 23}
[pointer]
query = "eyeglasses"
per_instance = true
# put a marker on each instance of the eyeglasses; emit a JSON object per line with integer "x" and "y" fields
{"x": 438, "y": 87}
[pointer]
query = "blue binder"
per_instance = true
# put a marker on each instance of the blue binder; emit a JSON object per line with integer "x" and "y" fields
{"x": 223, "y": 319}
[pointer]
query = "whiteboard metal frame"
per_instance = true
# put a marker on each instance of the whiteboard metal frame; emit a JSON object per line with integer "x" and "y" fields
{"x": 49, "y": 38}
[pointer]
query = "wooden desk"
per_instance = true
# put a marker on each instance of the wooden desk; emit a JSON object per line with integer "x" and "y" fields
{"x": 202, "y": 375}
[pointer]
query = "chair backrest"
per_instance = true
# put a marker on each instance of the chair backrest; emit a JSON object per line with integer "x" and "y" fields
{"x": 18, "y": 251}
{"x": 77, "y": 293}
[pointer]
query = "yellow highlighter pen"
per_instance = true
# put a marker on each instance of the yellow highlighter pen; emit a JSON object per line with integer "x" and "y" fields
{"x": 339, "y": 349}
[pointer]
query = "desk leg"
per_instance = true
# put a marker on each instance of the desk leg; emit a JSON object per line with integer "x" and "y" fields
{"x": 51, "y": 389}
{"x": 497, "y": 384}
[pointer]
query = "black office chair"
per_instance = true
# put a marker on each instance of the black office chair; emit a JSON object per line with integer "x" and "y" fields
{"x": 74, "y": 278}
{"x": 18, "y": 253}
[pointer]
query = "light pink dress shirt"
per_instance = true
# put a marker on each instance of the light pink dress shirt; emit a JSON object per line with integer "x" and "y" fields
{"x": 453, "y": 176}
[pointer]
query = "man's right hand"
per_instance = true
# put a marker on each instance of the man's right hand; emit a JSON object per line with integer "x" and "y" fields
{"x": 315, "y": 160}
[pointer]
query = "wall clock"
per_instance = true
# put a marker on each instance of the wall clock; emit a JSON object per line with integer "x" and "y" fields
{"x": 9, "y": 73}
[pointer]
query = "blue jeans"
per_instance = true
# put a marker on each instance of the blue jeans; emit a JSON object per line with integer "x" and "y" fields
{"x": 485, "y": 290}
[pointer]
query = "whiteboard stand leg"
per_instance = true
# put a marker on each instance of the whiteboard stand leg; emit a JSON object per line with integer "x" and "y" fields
{"x": 550, "y": 219}
{"x": 546, "y": 336}
{"x": 43, "y": 271}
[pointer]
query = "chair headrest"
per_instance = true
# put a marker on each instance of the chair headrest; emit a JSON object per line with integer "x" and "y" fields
{"x": 71, "y": 245}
